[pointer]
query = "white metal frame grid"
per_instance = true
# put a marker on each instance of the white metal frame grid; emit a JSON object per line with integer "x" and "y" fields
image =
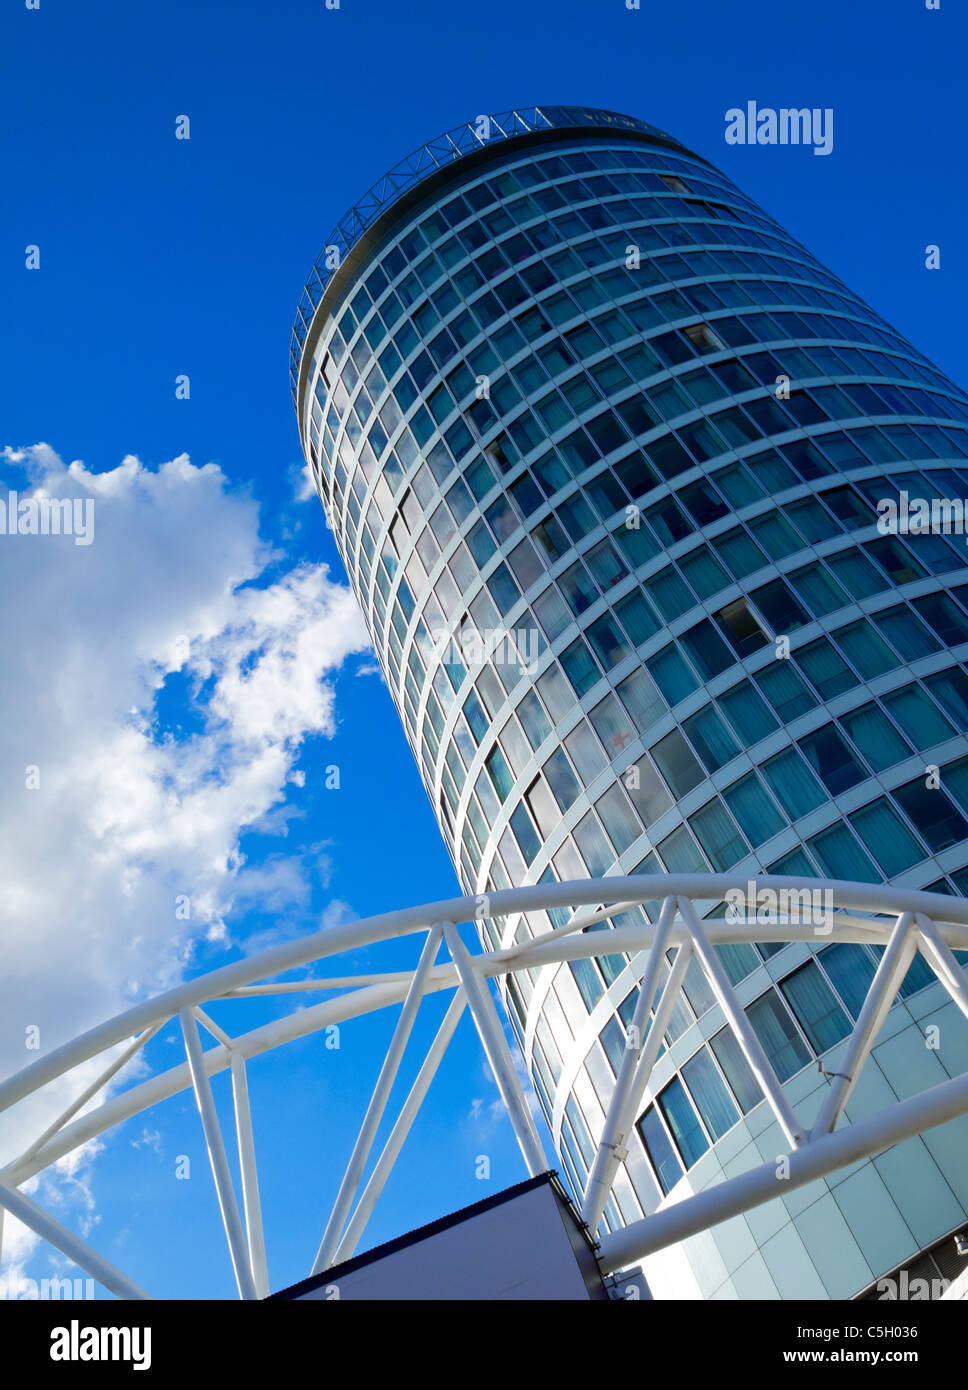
{"x": 904, "y": 921}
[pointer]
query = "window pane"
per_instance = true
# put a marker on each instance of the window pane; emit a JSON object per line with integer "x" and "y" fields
{"x": 825, "y": 669}
{"x": 737, "y": 1070}
{"x": 915, "y": 712}
{"x": 716, "y": 832}
{"x": 661, "y": 1154}
{"x": 868, "y": 652}
{"x": 711, "y": 738}
{"x": 785, "y": 691}
{"x": 676, "y": 763}
{"x": 887, "y": 837}
{"x": 816, "y": 1009}
{"x": 841, "y": 856}
{"x": 933, "y": 815}
{"x": 739, "y": 960}
{"x": 683, "y": 1122}
{"x": 876, "y": 737}
{"x": 621, "y": 824}
{"x": 793, "y": 784}
{"x": 758, "y": 817}
{"x": 829, "y": 755}
{"x": 776, "y": 1031}
{"x": 709, "y": 1094}
{"x": 595, "y": 849}
{"x": 748, "y": 715}
{"x": 852, "y": 969}
{"x": 951, "y": 689}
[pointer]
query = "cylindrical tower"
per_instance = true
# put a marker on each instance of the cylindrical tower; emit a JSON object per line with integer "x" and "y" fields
{"x": 620, "y": 476}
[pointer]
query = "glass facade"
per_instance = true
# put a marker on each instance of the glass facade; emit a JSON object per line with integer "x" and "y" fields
{"x": 603, "y": 448}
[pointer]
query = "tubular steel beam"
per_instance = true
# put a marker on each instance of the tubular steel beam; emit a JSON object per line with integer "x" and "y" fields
{"x": 952, "y": 913}
{"x": 942, "y": 961}
{"x": 255, "y": 1236}
{"x": 378, "y": 1103}
{"x": 25, "y": 1209}
{"x": 217, "y": 1156}
{"x": 89, "y": 1092}
{"x": 892, "y": 967}
{"x": 749, "y": 1043}
{"x": 401, "y": 1128}
{"x": 611, "y": 1149}
{"x": 495, "y": 1045}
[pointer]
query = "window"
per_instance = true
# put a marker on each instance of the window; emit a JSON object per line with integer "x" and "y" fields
{"x": 671, "y": 674}
{"x": 887, "y": 837}
{"x": 543, "y": 807}
{"x": 793, "y": 784}
{"x": 746, "y": 712}
{"x": 612, "y": 725}
{"x": 579, "y": 666}
{"x": 595, "y": 848}
{"x": 658, "y": 1147}
{"x": 779, "y": 607}
{"x": 703, "y": 339}
{"x": 740, "y": 553}
{"x": 932, "y": 814}
{"x": 758, "y": 817}
{"x": 608, "y": 640}
{"x": 857, "y": 574}
{"x": 711, "y": 738}
{"x": 868, "y": 652}
{"x": 943, "y": 618}
{"x": 683, "y": 1122}
{"x": 818, "y": 590}
{"x": 827, "y": 672}
{"x": 533, "y": 719}
{"x": 621, "y": 825}
{"x": 562, "y": 781}
{"x": 815, "y": 1008}
{"x": 706, "y": 649}
{"x": 778, "y": 1036}
{"x": 677, "y": 764}
{"x": 525, "y": 833}
{"x": 852, "y": 970}
{"x": 740, "y": 628}
{"x": 715, "y": 831}
{"x": 829, "y": 755}
{"x": 709, "y": 1094}
{"x": 611, "y": 1038}
{"x": 640, "y": 697}
{"x": 499, "y": 773}
{"x": 585, "y": 752}
{"x": 876, "y": 737}
{"x": 679, "y": 853}
{"x": 648, "y": 795}
{"x": 736, "y": 1069}
{"x": 841, "y": 856}
{"x": 923, "y": 720}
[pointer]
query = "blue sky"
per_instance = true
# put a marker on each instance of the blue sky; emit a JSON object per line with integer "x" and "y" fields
{"x": 161, "y": 257}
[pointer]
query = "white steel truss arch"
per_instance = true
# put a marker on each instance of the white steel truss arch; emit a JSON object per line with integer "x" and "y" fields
{"x": 904, "y": 921}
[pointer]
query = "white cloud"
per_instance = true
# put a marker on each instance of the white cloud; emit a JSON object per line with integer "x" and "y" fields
{"x": 303, "y": 486}
{"x": 129, "y": 815}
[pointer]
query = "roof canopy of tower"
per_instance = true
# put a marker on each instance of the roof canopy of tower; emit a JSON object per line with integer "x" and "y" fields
{"x": 412, "y": 178}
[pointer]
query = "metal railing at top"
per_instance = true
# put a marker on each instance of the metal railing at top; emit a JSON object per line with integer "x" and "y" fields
{"x": 483, "y": 131}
